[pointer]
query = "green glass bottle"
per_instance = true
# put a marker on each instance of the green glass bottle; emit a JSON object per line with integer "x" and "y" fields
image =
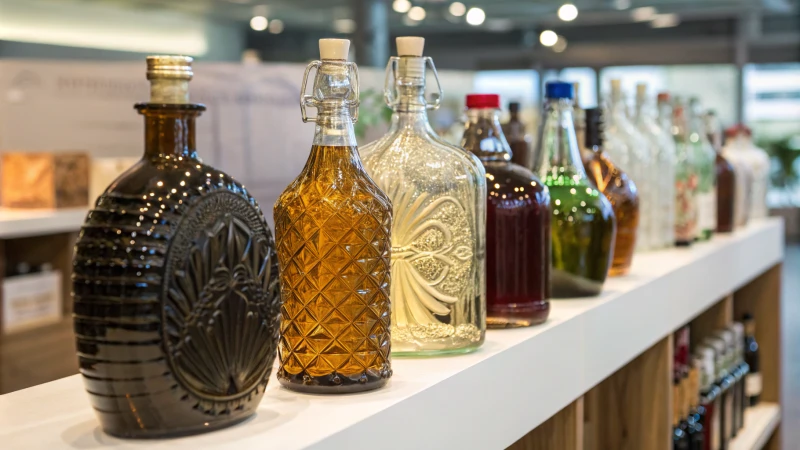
{"x": 705, "y": 162}
{"x": 583, "y": 224}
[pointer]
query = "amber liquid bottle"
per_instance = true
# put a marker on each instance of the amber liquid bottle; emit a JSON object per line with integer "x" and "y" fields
{"x": 517, "y": 223}
{"x": 332, "y": 227}
{"x": 175, "y": 283}
{"x": 518, "y": 140}
{"x": 618, "y": 189}
{"x": 726, "y": 194}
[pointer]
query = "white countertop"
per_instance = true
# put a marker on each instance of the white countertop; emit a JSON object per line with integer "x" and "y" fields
{"x": 484, "y": 400}
{"x": 18, "y": 223}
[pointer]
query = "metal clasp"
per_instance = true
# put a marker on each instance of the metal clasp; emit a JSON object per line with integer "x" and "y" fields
{"x": 390, "y": 85}
{"x": 308, "y": 100}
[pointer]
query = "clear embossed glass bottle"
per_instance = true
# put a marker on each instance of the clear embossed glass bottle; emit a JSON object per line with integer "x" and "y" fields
{"x": 662, "y": 226}
{"x": 583, "y": 225}
{"x": 686, "y": 177}
{"x": 175, "y": 283}
{"x": 517, "y": 223}
{"x": 438, "y": 196}
{"x": 332, "y": 229}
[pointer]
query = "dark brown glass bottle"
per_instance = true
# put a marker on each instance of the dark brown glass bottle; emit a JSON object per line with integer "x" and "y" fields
{"x": 726, "y": 193}
{"x": 618, "y": 189}
{"x": 175, "y": 283}
{"x": 517, "y": 224}
{"x": 751, "y": 356}
{"x": 518, "y": 140}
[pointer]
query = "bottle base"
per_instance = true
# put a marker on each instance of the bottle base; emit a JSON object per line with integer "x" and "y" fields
{"x": 569, "y": 285}
{"x": 333, "y": 383}
{"x": 517, "y": 315}
{"x": 619, "y": 271}
{"x": 683, "y": 243}
{"x": 435, "y": 353}
{"x": 435, "y": 339}
{"x": 165, "y": 433}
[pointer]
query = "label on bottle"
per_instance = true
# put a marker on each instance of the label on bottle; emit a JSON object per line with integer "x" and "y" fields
{"x": 752, "y": 384}
{"x": 706, "y": 211}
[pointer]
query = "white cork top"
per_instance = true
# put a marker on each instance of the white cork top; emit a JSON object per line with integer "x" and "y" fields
{"x": 410, "y": 46}
{"x": 334, "y": 49}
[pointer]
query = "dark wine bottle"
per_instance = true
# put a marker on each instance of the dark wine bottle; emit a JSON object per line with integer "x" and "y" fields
{"x": 751, "y": 357}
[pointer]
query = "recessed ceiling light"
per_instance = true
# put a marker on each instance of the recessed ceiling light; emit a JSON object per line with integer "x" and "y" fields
{"x": 416, "y": 13}
{"x": 475, "y": 16}
{"x": 643, "y": 14}
{"x": 665, "y": 21}
{"x": 457, "y": 9}
{"x": 258, "y": 23}
{"x": 401, "y": 6}
{"x": 567, "y": 12}
{"x": 276, "y": 26}
{"x": 548, "y": 38}
{"x": 344, "y": 26}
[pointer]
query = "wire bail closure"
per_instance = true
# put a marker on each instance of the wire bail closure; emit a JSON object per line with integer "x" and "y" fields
{"x": 309, "y": 100}
{"x": 390, "y": 85}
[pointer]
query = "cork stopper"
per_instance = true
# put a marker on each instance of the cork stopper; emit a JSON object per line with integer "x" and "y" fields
{"x": 641, "y": 90}
{"x": 169, "y": 77}
{"x": 336, "y": 49}
{"x": 410, "y": 46}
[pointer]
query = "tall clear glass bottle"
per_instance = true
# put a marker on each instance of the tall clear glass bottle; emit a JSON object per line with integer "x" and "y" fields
{"x": 705, "y": 163}
{"x": 438, "y": 193}
{"x": 583, "y": 225}
{"x": 626, "y": 145}
{"x": 332, "y": 227}
{"x": 175, "y": 283}
{"x": 517, "y": 223}
{"x": 663, "y": 160}
{"x": 686, "y": 177}
{"x": 618, "y": 189}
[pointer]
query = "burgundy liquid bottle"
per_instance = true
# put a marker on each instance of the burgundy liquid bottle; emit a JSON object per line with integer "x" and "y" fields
{"x": 517, "y": 223}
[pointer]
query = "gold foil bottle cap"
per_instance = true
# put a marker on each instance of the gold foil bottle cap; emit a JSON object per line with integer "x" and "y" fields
{"x": 169, "y": 77}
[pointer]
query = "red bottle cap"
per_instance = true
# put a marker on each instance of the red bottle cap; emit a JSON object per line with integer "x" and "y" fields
{"x": 663, "y": 96}
{"x": 483, "y": 101}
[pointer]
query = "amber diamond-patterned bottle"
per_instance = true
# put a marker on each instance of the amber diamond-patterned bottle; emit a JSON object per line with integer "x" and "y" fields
{"x": 332, "y": 227}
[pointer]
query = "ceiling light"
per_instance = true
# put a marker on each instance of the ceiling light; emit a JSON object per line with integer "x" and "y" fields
{"x": 665, "y": 21}
{"x": 401, "y": 6}
{"x": 560, "y": 45}
{"x": 457, "y": 9}
{"x": 276, "y": 26}
{"x": 416, "y": 13}
{"x": 643, "y": 14}
{"x": 548, "y": 38}
{"x": 258, "y": 23}
{"x": 475, "y": 16}
{"x": 344, "y": 26}
{"x": 568, "y": 12}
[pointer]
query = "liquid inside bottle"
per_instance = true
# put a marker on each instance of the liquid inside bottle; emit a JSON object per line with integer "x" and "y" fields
{"x": 686, "y": 177}
{"x": 517, "y": 223}
{"x": 618, "y": 189}
{"x": 583, "y": 224}
{"x": 332, "y": 227}
{"x": 705, "y": 165}
{"x": 438, "y": 194}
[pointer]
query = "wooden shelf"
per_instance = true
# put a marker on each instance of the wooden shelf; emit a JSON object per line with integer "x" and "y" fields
{"x": 760, "y": 422}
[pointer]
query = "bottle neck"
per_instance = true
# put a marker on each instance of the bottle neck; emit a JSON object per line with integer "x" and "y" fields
{"x": 170, "y": 129}
{"x": 561, "y": 158}
{"x": 334, "y": 127}
{"x": 484, "y": 136}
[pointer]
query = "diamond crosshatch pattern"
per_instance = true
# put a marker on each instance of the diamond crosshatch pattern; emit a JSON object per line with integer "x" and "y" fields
{"x": 333, "y": 236}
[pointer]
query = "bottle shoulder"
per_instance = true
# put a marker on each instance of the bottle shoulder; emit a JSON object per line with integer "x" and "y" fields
{"x": 356, "y": 192}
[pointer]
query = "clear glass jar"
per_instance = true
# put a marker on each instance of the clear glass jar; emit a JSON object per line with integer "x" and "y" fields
{"x": 583, "y": 225}
{"x": 517, "y": 223}
{"x": 438, "y": 193}
{"x": 632, "y": 152}
{"x": 332, "y": 228}
{"x": 686, "y": 177}
{"x": 705, "y": 163}
{"x": 663, "y": 159}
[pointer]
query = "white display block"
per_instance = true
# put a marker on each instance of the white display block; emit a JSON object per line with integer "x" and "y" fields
{"x": 31, "y": 300}
{"x": 484, "y": 400}
{"x": 18, "y": 223}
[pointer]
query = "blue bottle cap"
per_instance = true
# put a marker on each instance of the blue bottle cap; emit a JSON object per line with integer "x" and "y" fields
{"x": 559, "y": 89}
